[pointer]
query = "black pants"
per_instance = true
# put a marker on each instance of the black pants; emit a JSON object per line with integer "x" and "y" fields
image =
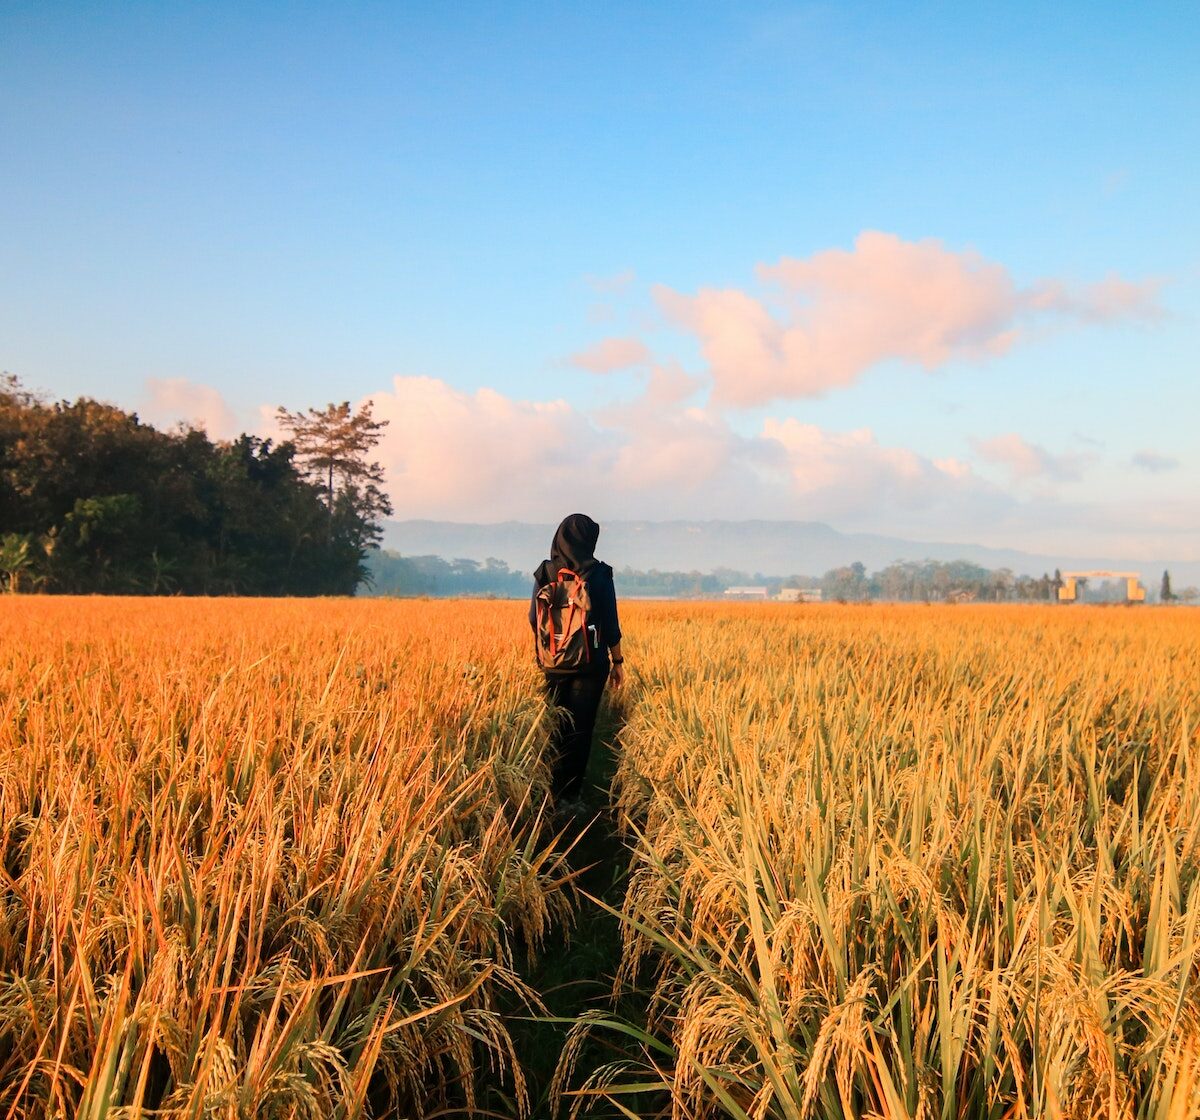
{"x": 578, "y": 698}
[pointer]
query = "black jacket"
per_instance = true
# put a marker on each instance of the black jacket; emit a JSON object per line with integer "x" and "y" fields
{"x": 599, "y": 579}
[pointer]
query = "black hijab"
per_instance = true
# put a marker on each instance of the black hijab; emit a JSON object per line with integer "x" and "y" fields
{"x": 574, "y": 544}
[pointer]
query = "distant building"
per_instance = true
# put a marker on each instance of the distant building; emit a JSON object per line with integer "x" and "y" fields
{"x": 745, "y": 592}
{"x": 800, "y": 595}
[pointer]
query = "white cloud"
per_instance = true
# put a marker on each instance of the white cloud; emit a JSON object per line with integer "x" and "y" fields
{"x": 173, "y": 400}
{"x": 828, "y": 318}
{"x": 1106, "y": 301}
{"x": 845, "y": 476}
{"x": 450, "y": 454}
{"x": 665, "y": 444}
{"x": 612, "y": 354}
{"x": 483, "y": 456}
{"x": 1026, "y": 460}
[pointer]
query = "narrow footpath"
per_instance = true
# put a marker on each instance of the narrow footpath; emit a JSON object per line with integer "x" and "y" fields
{"x": 574, "y": 971}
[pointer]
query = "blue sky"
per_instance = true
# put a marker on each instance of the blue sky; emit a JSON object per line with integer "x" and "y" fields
{"x": 214, "y": 208}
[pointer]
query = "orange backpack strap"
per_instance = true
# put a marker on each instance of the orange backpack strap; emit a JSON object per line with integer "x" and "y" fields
{"x": 573, "y": 604}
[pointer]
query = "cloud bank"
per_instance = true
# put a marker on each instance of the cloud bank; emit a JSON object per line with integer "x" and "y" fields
{"x": 451, "y": 454}
{"x": 826, "y": 319}
{"x": 678, "y": 444}
{"x": 485, "y": 456}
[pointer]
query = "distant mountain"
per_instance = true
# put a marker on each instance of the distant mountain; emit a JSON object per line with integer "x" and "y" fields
{"x": 772, "y": 548}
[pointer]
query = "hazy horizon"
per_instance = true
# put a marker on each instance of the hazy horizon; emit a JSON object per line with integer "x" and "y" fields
{"x": 773, "y": 548}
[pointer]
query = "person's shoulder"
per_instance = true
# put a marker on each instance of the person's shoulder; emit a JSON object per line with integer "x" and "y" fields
{"x": 604, "y": 570}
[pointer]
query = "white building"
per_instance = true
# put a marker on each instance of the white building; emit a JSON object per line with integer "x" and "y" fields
{"x": 745, "y": 593}
{"x": 800, "y": 595}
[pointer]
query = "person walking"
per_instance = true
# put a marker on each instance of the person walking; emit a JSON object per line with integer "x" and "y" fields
{"x": 577, "y": 636}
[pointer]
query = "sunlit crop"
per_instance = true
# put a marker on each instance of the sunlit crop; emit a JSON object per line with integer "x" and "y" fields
{"x": 294, "y": 859}
{"x": 270, "y": 859}
{"x": 911, "y": 862}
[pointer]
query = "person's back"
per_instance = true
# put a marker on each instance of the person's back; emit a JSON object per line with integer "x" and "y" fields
{"x": 577, "y": 689}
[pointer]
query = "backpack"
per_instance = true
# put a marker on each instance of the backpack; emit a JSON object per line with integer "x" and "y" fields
{"x": 563, "y": 637}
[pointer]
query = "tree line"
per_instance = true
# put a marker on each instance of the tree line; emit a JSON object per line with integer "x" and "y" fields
{"x": 94, "y": 500}
{"x": 393, "y": 574}
{"x": 964, "y": 581}
{"x": 938, "y": 581}
{"x": 904, "y": 581}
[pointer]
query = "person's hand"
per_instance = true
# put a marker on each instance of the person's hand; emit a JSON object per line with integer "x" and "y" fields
{"x": 617, "y": 676}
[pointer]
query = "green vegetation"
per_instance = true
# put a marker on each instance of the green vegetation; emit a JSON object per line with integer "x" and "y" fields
{"x": 94, "y": 500}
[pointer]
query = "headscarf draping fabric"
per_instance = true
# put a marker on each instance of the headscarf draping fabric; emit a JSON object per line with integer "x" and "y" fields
{"x": 574, "y": 544}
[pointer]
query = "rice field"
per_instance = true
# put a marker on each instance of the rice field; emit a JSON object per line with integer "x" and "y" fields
{"x": 272, "y": 859}
{"x": 912, "y": 862}
{"x": 294, "y": 859}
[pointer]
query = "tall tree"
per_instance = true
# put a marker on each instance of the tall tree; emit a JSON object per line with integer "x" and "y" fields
{"x": 333, "y": 445}
{"x": 1165, "y": 594}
